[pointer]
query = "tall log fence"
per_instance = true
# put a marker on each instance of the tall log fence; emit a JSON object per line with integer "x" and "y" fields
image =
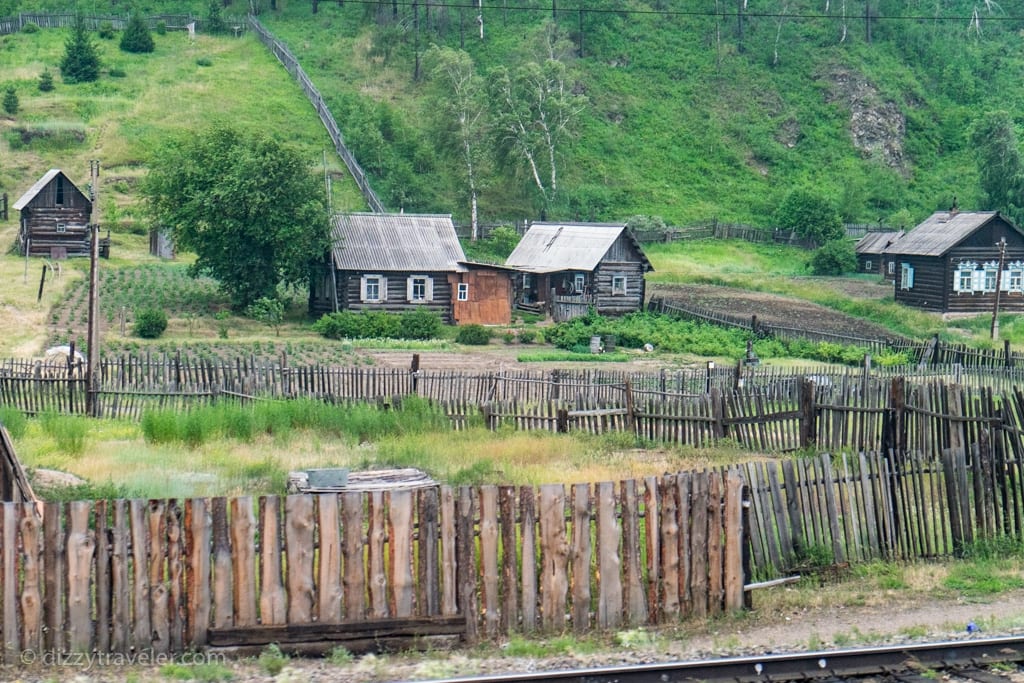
{"x": 165, "y": 576}
{"x": 62, "y": 20}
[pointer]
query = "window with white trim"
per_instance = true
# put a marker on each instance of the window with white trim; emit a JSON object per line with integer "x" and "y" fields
{"x": 420, "y": 289}
{"x": 579, "y": 283}
{"x": 463, "y": 291}
{"x": 373, "y": 288}
{"x": 906, "y": 276}
{"x": 892, "y": 267}
{"x": 618, "y": 285}
{"x": 991, "y": 271}
{"x": 62, "y": 227}
{"x": 868, "y": 265}
{"x": 963, "y": 277}
{"x": 1014, "y": 276}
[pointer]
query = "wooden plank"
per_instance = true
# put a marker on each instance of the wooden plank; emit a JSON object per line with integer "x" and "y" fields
{"x": 198, "y": 537}
{"x": 781, "y": 555}
{"x": 31, "y": 587}
{"x": 699, "y": 545}
{"x": 176, "y": 576}
{"x": 715, "y": 552}
{"x": 509, "y": 545}
{"x": 9, "y": 513}
{"x": 119, "y": 585}
{"x": 341, "y": 632}
{"x": 377, "y": 580}
{"x": 428, "y": 570}
{"x": 243, "y": 560}
{"x": 652, "y": 543}
{"x": 273, "y": 600}
{"x": 734, "y": 579}
{"x": 581, "y": 557}
{"x": 102, "y": 591}
{"x": 794, "y": 509}
{"x": 635, "y": 602}
{"x": 491, "y": 598}
{"x": 685, "y": 501}
{"x": 328, "y": 608}
{"x": 81, "y": 545}
{"x": 609, "y": 553}
{"x": 669, "y": 570}
{"x": 223, "y": 590}
{"x": 158, "y": 589}
{"x": 449, "y": 568}
{"x": 298, "y": 534}
{"x": 54, "y": 588}
{"x": 554, "y": 583}
{"x": 401, "y": 509}
{"x": 530, "y": 566}
{"x": 354, "y": 577}
{"x": 141, "y": 618}
{"x": 828, "y": 485}
{"x": 467, "y": 567}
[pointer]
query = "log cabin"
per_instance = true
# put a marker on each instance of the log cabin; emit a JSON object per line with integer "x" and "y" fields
{"x": 55, "y": 217}
{"x": 871, "y": 254}
{"x": 957, "y": 261}
{"x": 400, "y": 262}
{"x": 568, "y": 268}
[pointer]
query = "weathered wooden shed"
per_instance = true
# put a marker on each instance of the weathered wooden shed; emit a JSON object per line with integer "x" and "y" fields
{"x": 871, "y": 253}
{"x": 55, "y": 218}
{"x": 389, "y": 262}
{"x": 951, "y": 263}
{"x": 483, "y": 294}
{"x": 567, "y": 268}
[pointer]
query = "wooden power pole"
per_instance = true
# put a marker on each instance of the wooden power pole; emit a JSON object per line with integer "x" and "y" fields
{"x": 999, "y": 276}
{"x": 91, "y": 376}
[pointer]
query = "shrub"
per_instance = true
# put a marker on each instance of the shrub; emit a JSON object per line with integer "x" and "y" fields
{"x": 268, "y": 311}
{"x": 106, "y": 31}
{"x": 527, "y": 336}
{"x": 30, "y": 27}
{"x": 136, "y": 37}
{"x": 474, "y": 335}
{"x": 810, "y": 216}
{"x": 150, "y": 323}
{"x": 45, "y": 81}
{"x": 10, "y": 101}
{"x": 834, "y": 258}
{"x": 420, "y": 324}
{"x": 161, "y": 28}
{"x": 117, "y": 73}
{"x": 272, "y": 660}
{"x": 204, "y": 61}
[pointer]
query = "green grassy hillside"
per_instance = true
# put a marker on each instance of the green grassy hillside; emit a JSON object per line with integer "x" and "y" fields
{"x": 685, "y": 117}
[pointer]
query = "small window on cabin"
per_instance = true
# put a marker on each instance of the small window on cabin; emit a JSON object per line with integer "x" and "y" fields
{"x": 59, "y": 195}
{"x": 868, "y": 265}
{"x": 1015, "y": 277}
{"x": 892, "y": 267}
{"x": 463, "y": 291}
{"x": 963, "y": 277}
{"x": 373, "y": 288}
{"x": 906, "y": 276}
{"x": 419, "y": 289}
{"x": 991, "y": 275}
{"x": 579, "y": 283}
{"x": 62, "y": 227}
{"x": 619, "y": 285}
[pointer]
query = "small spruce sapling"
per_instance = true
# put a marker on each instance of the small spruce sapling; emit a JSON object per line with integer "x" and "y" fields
{"x": 11, "y": 101}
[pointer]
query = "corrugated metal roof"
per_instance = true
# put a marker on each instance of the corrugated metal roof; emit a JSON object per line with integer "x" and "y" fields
{"x": 940, "y": 232}
{"x": 37, "y": 188}
{"x": 877, "y": 242}
{"x": 551, "y": 247}
{"x": 382, "y": 242}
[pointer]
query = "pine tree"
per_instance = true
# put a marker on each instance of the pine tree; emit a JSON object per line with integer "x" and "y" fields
{"x": 214, "y": 20}
{"x": 136, "y": 37}
{"x": 81, "y": 62}
{"x": 11, "y": 101}
{"x": 45, "y": 81}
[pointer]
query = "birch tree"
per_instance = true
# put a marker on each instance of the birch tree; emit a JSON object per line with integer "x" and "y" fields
{"x": 461, "y": 102}
{"x": 537, "y": 113}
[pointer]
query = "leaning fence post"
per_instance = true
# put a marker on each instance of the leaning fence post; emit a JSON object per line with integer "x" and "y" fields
{"x": 808, "y": 426}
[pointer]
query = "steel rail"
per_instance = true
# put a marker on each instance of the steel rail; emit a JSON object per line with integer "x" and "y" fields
{"x": 789, "y": 666}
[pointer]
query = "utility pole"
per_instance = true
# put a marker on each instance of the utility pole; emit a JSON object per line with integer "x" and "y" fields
{"x": 999, "y": 276}
{"x": 91, "y": 376}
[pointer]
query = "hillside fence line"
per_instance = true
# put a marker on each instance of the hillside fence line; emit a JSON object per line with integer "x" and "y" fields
{"x": 168, "y": 576}
{"x": 61, "y": 20}
{"x": 291, "y": 64}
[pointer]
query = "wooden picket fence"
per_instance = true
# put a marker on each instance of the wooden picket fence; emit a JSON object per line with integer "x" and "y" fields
{"x": 164, "y": 576}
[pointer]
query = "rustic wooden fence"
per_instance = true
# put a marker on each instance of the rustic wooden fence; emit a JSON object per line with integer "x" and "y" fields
{"x": 61, "y": 20}
{"x": 163, "y": 576}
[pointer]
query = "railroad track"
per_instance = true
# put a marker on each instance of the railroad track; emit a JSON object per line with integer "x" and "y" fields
{"x": 979, "y": 660}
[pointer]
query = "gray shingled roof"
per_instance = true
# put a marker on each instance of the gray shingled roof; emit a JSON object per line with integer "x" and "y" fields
{"x": 381, "y": 242}
{"x": 940, "y": 232}
{"x": 552, "y": 247}
{"x": 36, "y": 189}
{"x": 877, "y": 242}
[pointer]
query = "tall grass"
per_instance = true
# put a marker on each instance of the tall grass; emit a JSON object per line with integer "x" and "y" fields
{"x": 68, "y": 431}
{"x": 14, "y": 421}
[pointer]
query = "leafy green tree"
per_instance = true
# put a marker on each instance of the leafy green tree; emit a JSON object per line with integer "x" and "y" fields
{"x": 835, "y": 257}
{"x": 460, "y": 100}
{"x": 45, "y": 81}
{"x": 1000, "y": 167}
{"x": 136, "y": 37}
{"x": 269, "y": 311}
{"x": 150, "y": 323}
{"x": 214, "y": 23}
{"x": 81, "y": 61}
{"x": 11, "y": 101}
{"x": 810, "y": 216}
{"x": 250, "y": 207}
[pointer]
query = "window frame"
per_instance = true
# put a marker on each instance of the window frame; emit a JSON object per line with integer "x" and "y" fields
{"x": 617, "y": 291}
{"x": 906, "y": 276}
{"x": 373, "y": 280}
{"x": 415, "y": 282}
{"x": 462, "y": 294}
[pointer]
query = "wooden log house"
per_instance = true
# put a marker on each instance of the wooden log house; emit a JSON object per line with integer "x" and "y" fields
{"x": 567, "y": 268}
{"x": 401, "y": 262}
{"x": 54, "y": 218}
{"x": 871, "y": 254}
{"x": 957, "y": 261}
